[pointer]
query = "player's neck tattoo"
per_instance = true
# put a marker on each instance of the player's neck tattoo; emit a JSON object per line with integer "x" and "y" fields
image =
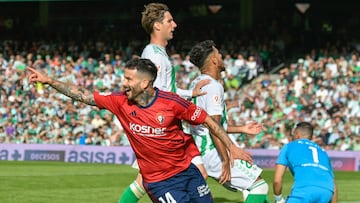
{"x": 145, "y": 98}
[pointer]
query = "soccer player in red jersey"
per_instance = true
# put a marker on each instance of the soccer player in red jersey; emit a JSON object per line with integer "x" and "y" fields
{"x": 152, "y": 119}
{"x": 158, "y": 22}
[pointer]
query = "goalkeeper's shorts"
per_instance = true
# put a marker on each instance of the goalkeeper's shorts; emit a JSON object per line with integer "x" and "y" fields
{"x": 310, "y": 194}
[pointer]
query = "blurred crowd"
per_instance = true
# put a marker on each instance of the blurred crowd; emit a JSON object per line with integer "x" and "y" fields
{"x": 322, "y": 87}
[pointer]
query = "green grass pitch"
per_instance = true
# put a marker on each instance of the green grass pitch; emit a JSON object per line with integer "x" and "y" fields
{"x": 55, "y": 182}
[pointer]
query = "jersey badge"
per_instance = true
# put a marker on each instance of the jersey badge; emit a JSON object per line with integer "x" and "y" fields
{"x": 160, "y": 117}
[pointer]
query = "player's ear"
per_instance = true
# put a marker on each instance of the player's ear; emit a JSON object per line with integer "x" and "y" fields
{"x": 157, "y": 26}
{"x": 212, "y": 59}
{"x": 145, "y": 83}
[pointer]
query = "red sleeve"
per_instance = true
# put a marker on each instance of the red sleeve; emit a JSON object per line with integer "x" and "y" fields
{"x": 193, "y": 114}
{"x": 109, "y": 100}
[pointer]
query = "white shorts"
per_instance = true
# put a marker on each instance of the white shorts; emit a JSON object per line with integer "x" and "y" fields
{"x": 196, "y": 160}
{"x": 243, "y": 174}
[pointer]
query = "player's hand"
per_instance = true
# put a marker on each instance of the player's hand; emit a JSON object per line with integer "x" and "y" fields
{"x": 37, "y": 76}
{"x": 280, "y": 201}
{"x": 238, "y": 153}
{"x": 252, "y": 128}
{"x": 225, "y": 173}
{"x": 197, "y": 89}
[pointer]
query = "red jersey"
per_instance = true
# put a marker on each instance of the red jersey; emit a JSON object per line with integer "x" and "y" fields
{"x": 154, "y": 131}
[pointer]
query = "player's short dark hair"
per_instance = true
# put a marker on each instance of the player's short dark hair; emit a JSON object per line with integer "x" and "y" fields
{"x": 305, "y": 129}
{"x": 153, "y": 12}
{"x": 145, "y": 66}
{"x": 200, "y": 52}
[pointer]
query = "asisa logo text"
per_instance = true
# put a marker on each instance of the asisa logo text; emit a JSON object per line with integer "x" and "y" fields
{"x": 147, "y": 130}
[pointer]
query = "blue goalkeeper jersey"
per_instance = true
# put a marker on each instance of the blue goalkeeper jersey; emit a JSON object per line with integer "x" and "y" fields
{"x": 309, "y": 164}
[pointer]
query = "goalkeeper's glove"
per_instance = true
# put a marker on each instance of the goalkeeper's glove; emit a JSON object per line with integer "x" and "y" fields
{"x": 279, "y": 199}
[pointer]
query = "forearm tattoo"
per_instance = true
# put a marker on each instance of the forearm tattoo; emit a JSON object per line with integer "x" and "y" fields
{"x": 77, "y": 93}
{"x": 219, "y": 132}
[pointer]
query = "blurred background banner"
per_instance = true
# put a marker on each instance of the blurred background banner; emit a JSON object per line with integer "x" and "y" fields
{"x": 341, "y": 161}
{"x": 67, "y": 153}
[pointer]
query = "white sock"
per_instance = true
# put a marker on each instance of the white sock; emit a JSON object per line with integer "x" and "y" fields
{"x": 245, "y": 194}
{"x": 138, "y": 190}
{"x": 259, "y": 187}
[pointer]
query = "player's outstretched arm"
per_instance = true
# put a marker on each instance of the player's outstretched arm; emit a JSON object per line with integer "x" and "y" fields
{"x": 277, "y": 185}
{"x": 252, "y": 128}
{"x": 235, "y": 152}
{"x": 77, "y": 93}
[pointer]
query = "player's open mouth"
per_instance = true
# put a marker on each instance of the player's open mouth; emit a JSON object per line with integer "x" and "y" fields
{"x": 127, "y": 91}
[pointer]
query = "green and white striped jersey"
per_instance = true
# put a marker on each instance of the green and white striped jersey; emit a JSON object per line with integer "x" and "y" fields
{"x": 214, "y": 104}
{"x": 166, "y": 76}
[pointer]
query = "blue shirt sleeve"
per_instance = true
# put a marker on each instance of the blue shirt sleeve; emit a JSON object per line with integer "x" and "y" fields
{"x": 282, "y": 158}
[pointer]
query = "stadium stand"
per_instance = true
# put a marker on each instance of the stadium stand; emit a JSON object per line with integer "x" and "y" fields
{"x": 270, "y": 77}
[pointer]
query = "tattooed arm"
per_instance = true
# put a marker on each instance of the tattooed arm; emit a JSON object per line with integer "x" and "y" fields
{"x": 219, "y": 132}
{"x": 77, "y": 93}
{"x": 220, "y": 147}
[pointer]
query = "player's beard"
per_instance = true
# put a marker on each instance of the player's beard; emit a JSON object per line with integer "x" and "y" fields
{"x": 222, "y": 66}
{"x": 133, "y": 93}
